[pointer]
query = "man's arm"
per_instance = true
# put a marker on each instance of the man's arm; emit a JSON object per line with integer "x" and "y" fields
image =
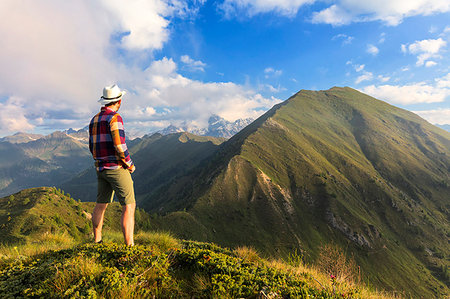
{"x": 118, "y": 137}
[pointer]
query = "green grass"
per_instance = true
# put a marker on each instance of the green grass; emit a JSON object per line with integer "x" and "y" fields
{"x": 162, "y": 266}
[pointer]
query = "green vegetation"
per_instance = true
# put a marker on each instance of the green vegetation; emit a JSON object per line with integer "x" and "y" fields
{"x": 164, "y": 267}
{"x": 28, "y": 216}
{"x": 47, "y": 259}
{"x": 327, "y": 166}
{"x": 324, "y": 167}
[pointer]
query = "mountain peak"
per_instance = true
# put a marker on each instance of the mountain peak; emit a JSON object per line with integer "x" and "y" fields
{"x": 217, "y": 127}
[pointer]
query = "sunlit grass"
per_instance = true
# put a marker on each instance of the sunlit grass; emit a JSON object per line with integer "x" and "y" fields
{"x": 41, "y": 244}
{"x": 162, "y": 241}
{"x": 77, "y": 269}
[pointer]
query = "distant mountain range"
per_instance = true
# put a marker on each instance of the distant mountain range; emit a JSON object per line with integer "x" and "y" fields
{"x": 333, "y": 166}
{"x": 33, "y": 160}
{"x": 217, "y": 127}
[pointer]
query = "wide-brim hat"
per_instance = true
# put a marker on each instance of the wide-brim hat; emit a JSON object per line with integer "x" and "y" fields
{"x": 111, "y": 94}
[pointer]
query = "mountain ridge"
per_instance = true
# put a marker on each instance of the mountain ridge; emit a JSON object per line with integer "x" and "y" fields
{"x": 217, "y": 127}
{"x": 328, "y": 165}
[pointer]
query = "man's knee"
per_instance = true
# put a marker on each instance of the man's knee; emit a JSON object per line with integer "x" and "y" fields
{"x": 129, "y": 208}
{"x": 100, "y": 207}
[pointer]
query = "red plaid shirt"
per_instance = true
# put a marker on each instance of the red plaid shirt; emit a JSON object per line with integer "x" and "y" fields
{"x": 107, "y": 141}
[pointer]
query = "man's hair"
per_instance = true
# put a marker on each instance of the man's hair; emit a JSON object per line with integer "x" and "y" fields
{"x": 112, "y": 103}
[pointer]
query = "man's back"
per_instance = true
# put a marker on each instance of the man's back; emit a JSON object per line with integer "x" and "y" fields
{"x": 107, "y": 141}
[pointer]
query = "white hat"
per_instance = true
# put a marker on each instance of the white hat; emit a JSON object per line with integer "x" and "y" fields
{"x": 111, "y": 94}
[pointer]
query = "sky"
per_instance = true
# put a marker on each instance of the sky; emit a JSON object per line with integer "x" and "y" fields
{"x": 183, "y": 61}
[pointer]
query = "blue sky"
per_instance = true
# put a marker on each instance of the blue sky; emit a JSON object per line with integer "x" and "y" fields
{"x": 182, "y": 61}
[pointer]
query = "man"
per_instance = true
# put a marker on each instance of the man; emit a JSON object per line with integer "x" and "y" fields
{"x": 113, "y": 163}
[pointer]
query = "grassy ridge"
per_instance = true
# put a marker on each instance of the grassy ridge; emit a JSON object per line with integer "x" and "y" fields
{"x": 29, "y": 215}
{"x": 164, "y": 267}
{"x": 328, "y": 166}
{"x": 46, "y": 252}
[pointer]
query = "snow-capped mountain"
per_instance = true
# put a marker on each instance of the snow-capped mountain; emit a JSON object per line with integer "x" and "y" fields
{"x": 217, "y": 127}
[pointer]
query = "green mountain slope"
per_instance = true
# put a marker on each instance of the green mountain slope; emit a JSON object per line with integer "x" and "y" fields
{"x": 32, "y": 213}
{"x": 328, "y": 166}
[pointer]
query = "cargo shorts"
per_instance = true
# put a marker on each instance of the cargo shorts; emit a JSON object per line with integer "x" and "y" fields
{"x": 115, "y": 181}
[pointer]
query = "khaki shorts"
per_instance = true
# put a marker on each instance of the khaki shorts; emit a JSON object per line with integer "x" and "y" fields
{"x": 116, "y": 181}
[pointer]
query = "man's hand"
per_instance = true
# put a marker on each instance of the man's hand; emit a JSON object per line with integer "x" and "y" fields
{"x": 132, "y": 168}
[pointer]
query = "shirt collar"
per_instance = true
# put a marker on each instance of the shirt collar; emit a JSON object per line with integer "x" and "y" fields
{"x": 107, "y": 109}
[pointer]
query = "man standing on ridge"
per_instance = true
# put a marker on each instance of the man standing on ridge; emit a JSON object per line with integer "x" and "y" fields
{"x": 113, "y": 163}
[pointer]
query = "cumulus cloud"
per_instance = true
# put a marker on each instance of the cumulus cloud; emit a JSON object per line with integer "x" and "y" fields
{"x": 334, "y": 15}
{"x": 443, "y": 82}
{"x": 194, "y": 65}
{"x": 371, "y": 49}
{"x": 436, "y": 116}
{"x": 430, "y": 63}
{"x": 425, "y": 50}
{"x": 179, "y": 100}
{"x": 12, "y": 116}
{"x": 414, "y": 93}
{"x": 390, "y": 12}
{"x": 57, "y": 66}
{"x": 340, "y": 12}
{"x": 143, "y": 23}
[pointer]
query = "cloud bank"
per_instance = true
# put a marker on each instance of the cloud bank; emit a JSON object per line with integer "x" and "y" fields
{"x": 56, "y": 56}
{"x": 414, "y": 93}
{"x": 341, "y": 12}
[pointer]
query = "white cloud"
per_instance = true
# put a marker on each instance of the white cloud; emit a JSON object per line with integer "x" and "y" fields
{"x": 371, "y": 49}
{"x": 433, "y": 29}
{"x": 425, "y": 49}
{"x": 271, "y": 72}
{"x": 52, "y": 61}
{"x": 346, "y": 39}
{"x": 430, "y": 63}
{"x": 383, "y": 79}
{"x": 188, "y": 101}
{"x": 443, "y": 82}
{"x": 145, "y": 21}
{"x": 195, "y": 65}
{"x": 436, "y": 116}
{"x": 12, "y": 116}
{"x": 334, "y": 15}
{"x": 359, "y": 67}
{"x": 341, "y": 12}
{"x": 366, "y": 76}
{"x": 253, "y": 7}
{"x": 273, "y": 89}
{"x": 390, "y": 12}
{"x": 414, "y": 93}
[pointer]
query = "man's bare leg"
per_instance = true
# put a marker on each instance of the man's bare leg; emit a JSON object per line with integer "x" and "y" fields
{"x": 97, "y": 220}
{"x": 128, "y": 223}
